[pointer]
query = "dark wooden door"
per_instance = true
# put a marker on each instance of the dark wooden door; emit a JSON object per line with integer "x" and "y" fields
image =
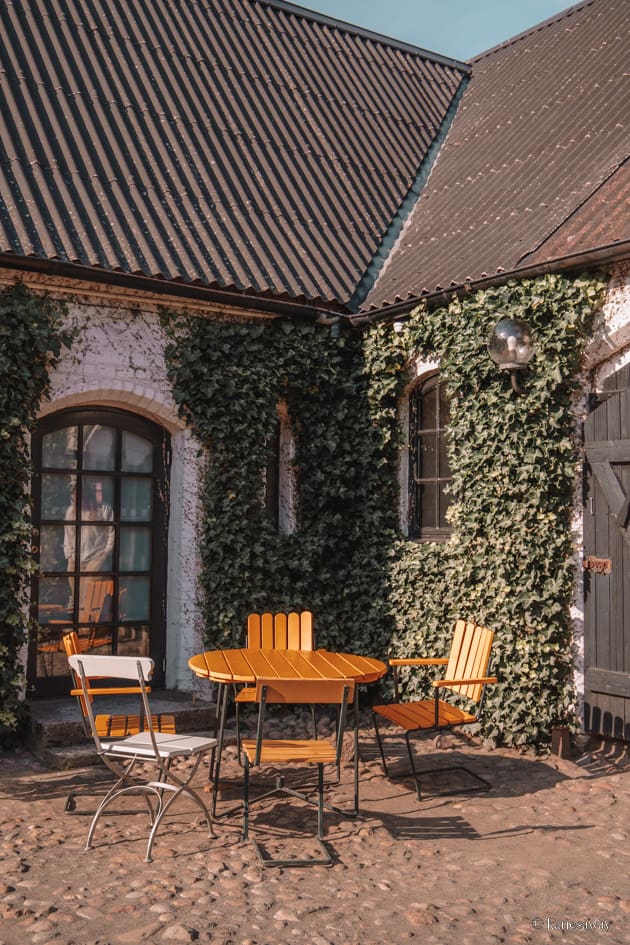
{"x": 607, "y": 560}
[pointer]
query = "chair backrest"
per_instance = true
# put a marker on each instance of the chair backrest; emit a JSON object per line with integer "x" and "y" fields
{"x": 281, "y": 631}
{"x": 469, "y": 657}
{"x": 305, "y": 691}
{"x": 298, "y": 692}
{"x": 131, "y": 668}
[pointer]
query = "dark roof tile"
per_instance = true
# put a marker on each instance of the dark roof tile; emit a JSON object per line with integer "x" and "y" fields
{"x": 234, "y": 143}
{"x": 541, "y": 127}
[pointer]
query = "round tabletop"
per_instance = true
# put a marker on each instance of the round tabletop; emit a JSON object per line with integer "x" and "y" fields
{"x": 246, "y": 665}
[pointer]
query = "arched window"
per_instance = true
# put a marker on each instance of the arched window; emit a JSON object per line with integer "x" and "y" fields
{"x": 100, "y": 524}
{"x": 429, "y": 471}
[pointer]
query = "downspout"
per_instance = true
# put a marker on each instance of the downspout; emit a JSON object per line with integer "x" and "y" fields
{"x": 401, "y": 216}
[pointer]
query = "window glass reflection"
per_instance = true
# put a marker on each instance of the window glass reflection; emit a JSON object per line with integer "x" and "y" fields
{"x": 58, "y": 496}
{"x": 97, "y": 498}
{"x": 52, "y": 548}
{"x": 59, "y": 449}
{"x": 99, "y": 447}
{"x": 135, "y": 549}
{"x": 133, "y": 603}
{"x": 136, "y": 500}
{"x": 137, "y": 453}
{"x": 133, "y": 641}
{"x": 96, "y": 600}
{"x": 52, "y": 606}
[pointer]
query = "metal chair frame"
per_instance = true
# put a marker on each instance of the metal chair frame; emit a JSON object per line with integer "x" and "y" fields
{"x": 122, "y": 756}
{"x": 282, "y": 751}
{"x": 466, "y": 674}
{"x": 108, "y": 725}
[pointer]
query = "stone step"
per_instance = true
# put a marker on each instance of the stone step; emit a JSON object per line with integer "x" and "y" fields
{"x": 57, "y": 738}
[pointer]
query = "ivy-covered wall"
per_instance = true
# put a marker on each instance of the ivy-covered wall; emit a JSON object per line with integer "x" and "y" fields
{"x": 31, "y": 339}
{"x": 509, "y": 563}
{"x": 514, "y": 459}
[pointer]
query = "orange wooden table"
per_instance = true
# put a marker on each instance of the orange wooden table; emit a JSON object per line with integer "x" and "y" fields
{"x": 227, "y": 667}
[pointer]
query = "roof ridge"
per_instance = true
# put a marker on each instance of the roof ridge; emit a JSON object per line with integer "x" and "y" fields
{"x": 533, "y": 29}
{"x": 347, "y": 27}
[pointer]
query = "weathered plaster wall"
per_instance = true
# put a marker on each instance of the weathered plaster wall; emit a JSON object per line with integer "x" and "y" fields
{"x": 118, "y": 361}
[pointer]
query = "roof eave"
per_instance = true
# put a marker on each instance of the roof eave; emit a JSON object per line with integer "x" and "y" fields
{"x": 251, "y": 304}
{"x": 601, "y": 256}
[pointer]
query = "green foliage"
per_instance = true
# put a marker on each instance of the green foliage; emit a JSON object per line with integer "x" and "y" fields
{"x": 31, "y": 339}
{"x": 228, "y": 379}
{"x": 509, "y": 562}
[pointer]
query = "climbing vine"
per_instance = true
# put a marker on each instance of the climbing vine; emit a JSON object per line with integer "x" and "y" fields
{"x": 509, "y": 563}
{"x": 31, "y": 339}
{"x": 228, "y": 379}
{"x": 514, "y": 462}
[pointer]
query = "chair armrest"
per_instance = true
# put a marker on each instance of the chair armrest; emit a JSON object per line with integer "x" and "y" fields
{"x": 465, "y": 682}
{"x": 417, "y": 661}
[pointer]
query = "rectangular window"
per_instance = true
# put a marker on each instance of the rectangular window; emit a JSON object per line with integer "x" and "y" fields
{"x": 429, "y": 471}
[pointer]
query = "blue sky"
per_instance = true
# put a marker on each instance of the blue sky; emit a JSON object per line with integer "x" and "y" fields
{"x": 456, "y": 28}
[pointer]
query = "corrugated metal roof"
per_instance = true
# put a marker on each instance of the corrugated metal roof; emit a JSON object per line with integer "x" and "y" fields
{"x": 529, "y": 160}
{"x": 229, "y": 143}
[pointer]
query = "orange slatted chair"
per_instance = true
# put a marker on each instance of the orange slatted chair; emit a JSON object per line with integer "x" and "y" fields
{"x": 280, "y": 751}
{"x": 281, "y": 631}
{"x": 466, "y": 675}
{"x": 107, "y": 725}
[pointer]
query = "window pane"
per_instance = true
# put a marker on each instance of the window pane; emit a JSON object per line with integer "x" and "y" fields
{"x": 445, "y": 502}
{"x": 428, "y": 506}
{"x": 56, "y": 541}
{"x": 427, "y": 456}
{"x": 135, "y": 549}
{"x": 97, "y": 546}
{"x": 137, "y": 453}
{"x": 134, "y": 598}
{"x": 96, "y": 600}
{"x": 136, "y": 500}
{"x": 59, "y": 449}
{"x": 99, "y": 447}
{"x": 53, "y": 600}
{"x": 427, "y": 414}
{"x": 133, "y": 641}
{"x": 97, "y": 498}
{"x": 58, "y": 499}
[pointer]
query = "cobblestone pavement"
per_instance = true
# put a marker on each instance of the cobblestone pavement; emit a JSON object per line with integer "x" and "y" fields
{"x": 542, "y": 857}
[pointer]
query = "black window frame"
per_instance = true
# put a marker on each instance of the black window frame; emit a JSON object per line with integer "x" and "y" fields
{"x": 123, "y": 421}
{"x": 434, "y": 434}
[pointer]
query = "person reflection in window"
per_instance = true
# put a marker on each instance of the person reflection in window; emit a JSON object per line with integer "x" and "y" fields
{"x": 96, "y": 541}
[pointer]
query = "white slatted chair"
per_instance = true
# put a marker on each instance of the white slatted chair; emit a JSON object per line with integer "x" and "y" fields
{"x": 126, "y": 757}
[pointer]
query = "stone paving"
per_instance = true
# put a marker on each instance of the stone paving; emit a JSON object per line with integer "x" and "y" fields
{"x": 542, "y": 857}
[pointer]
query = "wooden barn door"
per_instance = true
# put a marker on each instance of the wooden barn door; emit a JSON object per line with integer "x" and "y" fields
{"x": 607, "y": 560}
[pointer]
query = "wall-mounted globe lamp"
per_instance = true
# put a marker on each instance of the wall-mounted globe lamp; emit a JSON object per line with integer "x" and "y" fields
{"x": 511, "y": 346}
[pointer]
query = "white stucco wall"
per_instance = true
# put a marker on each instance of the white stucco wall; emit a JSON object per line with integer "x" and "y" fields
{"x": 118, "y": 361}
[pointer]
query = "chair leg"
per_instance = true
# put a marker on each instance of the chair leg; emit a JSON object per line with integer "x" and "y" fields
{"x": 246, "y": 798}
{"x": 380, "y": 744}
{"x": 412, "y": 765}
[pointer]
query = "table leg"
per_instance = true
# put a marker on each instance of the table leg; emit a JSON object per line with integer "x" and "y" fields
{"x": 356, "y": 750}
{"x": 222, "y": 701}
